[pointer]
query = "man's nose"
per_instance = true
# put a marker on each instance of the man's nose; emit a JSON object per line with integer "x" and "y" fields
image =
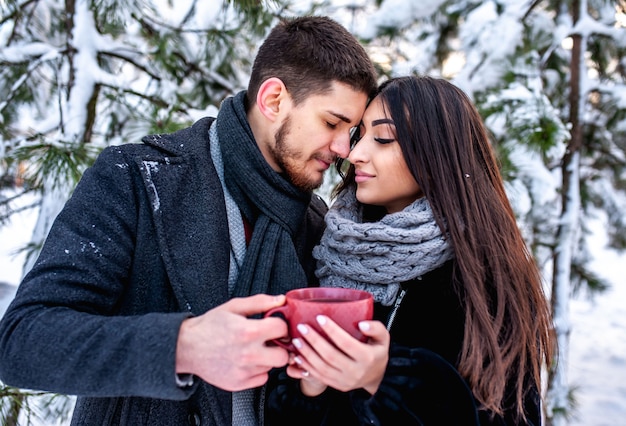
{"x": 341, "y": 145}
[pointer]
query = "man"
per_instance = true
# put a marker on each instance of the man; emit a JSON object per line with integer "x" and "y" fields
{"x": 141, "y": 300}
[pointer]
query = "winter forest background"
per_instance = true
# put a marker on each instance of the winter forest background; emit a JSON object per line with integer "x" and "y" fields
{"x": 547, "y": 76}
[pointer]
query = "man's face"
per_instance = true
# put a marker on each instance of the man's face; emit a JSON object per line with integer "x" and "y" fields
{"x": 314, "y": 133}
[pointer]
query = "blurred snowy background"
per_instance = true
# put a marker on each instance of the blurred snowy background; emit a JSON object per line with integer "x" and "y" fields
{"x": 136, "y": 68}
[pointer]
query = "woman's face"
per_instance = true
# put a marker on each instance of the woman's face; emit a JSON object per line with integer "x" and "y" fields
{"x": 382, "y": 175}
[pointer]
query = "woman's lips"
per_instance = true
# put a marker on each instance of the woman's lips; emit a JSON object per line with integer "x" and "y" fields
{"x": 361, "y": 176}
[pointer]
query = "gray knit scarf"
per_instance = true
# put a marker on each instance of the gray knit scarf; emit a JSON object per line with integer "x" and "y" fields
{"x": 378, "y": 256}
{"x": 267, "y": 200}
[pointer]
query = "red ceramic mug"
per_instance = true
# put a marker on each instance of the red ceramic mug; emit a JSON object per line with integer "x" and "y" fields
{"x": 347, "y": 307}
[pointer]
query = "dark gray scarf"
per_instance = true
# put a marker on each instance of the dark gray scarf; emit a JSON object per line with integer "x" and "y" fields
{"x": 267, "y": 200}
{"x": 378, "y": 256}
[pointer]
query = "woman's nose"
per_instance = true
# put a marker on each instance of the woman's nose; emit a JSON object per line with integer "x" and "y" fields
{"x": 357, "y": 153}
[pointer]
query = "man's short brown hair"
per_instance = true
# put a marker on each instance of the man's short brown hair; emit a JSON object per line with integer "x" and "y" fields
{"x": 308, "y": 54}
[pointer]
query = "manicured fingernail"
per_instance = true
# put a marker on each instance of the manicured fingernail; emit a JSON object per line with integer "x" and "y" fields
{"x": 321, "y": 320}
{"x": 305, "y": 373}
{"x": 303, "y": 329}
{"x": 364, "y": 326}
{"x": 297, "y": 343}
{"x": 298, "y": 360}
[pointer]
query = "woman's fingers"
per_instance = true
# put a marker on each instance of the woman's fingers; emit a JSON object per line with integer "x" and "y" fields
{"x": 321, "y": 356}
{"x": 339, "y": 360}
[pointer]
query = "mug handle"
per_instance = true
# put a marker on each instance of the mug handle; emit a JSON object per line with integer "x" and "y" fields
{"x": 281, "y": 312}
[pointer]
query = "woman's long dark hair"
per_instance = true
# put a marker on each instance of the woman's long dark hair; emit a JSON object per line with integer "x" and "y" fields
{"x": 508, "y": 328}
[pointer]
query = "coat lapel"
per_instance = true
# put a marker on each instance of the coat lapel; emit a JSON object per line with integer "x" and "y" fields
{"x": 189, "y": 213}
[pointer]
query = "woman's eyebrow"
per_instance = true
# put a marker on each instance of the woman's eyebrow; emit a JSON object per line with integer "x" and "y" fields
{"x": 382, "y": 121}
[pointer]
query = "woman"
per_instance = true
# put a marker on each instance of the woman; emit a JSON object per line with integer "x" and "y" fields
{"x": 422, "y": 221}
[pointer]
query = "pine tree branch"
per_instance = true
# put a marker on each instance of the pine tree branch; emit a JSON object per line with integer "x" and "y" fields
{"x": 132, "y": 62}
{"x": 17, "y": 12}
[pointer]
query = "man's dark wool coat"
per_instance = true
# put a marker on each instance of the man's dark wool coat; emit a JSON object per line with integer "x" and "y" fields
{"x": 142, "y": 244}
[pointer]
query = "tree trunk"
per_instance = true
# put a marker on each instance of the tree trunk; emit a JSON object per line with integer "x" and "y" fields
{"x": 558, "y": 405}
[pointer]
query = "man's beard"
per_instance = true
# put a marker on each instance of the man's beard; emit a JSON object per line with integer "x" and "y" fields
{"x": 288, "y": 160}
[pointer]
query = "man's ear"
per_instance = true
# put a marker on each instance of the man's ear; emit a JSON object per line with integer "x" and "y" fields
{"x": 271, "y": 94}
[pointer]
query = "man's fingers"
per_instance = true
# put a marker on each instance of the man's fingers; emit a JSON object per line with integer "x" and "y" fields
{"x": 257, "y": 304}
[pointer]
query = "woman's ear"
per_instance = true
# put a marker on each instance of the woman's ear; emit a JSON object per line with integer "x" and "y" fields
{"x": 272, "y": 93}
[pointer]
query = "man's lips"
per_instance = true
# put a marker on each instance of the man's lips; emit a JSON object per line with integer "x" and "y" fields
{"x": 325, "y": 162}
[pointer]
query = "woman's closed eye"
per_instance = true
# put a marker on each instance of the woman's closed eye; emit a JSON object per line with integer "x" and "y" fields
{"x": 384, "y": 141}
{"x": 357, "y": 133}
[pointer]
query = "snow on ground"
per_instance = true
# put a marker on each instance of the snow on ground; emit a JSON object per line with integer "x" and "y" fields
{"x": 598, "y": 343}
